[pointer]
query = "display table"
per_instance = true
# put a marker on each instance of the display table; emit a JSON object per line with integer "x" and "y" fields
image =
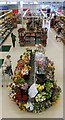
{"x": 34, "y": 87}
{"x": 32, "y": 36}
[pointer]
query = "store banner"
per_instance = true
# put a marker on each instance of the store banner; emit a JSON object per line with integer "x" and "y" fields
{"x": 4, "y": 7}
{"x": 15, "y": 11}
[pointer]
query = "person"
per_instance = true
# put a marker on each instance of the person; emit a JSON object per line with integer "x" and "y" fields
{"x": 8, "y": 65}
{"x": 55, "y": 16}
{"x": 45, "y": 30}
{"x": 59, "y": 30}
{"x": 59, "y": 33}
{"x": 13, "y": 39}
{"x": 48, "y": 12}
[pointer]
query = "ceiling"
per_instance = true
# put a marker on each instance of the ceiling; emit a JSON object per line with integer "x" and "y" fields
{"x": 34, "y": 0}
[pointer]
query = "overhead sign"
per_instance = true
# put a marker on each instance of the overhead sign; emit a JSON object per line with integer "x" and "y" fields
{"x": 4, "y": 7}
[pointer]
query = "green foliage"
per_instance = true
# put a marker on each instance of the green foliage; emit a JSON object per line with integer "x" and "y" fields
{"x": 20, "y": 106}
{"x": 38, "y": 107}
{"x": 48, "y": 85}
{"x": 56, "y": 94}
{"x": 20, "y": 80}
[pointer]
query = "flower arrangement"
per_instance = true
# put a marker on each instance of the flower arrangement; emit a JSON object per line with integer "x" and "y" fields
{"x": 19, "y": 87}
{"x": 39, "y": 87}
{"x": 46, "y": 92}
{"x": 40, "y": 48}
{"x": 25, "y": 70}
{"x": 22, "y": 106}
{"x": 47, "y": 96}
{"x": 19, "y": 80}
{"x": 23, "y": 65}
{"x": 40, "y": 98}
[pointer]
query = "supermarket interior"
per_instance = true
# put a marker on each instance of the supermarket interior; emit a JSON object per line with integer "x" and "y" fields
{"x": 32, "y": 45}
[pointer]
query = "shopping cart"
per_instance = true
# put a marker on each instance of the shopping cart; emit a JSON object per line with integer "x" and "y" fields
{"x": 5, "y": 72}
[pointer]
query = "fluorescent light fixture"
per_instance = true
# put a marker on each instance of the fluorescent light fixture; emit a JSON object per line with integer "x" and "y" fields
{"x": 11, "y": 2}
{"x": 35, "y": 2}
{"x": 31, "y": 3}
{"x": 2, "y": 3}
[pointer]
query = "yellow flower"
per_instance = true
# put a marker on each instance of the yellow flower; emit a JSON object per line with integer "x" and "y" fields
{"x": 37, "y": 86}
{"x": 19, "y": 103}
{"x": 57, "y": 101}
{"x": 24, "y": 104}
{"x": 54, "y": 103}
{"x": 41, "y": 87}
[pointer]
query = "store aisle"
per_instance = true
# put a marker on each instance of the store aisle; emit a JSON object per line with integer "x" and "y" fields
{"x": 54, "y": 50}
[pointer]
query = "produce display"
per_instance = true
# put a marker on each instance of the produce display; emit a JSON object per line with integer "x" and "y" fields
{"x": 44, "y": 91}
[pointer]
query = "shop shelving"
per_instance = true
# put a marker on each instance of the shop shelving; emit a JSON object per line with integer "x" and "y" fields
{"x": 60, "y": 22}
{"x": 6, "y": 25}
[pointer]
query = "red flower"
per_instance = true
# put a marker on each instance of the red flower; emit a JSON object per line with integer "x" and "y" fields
{"x": 24, "y": 97}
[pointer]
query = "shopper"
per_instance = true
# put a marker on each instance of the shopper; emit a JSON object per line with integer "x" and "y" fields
{"x": 13, "y": 39}
{"x": 59, "y": 30}
{"x": 55, "y": 16}
{"x": 8, "y": 65}
{"x": 59, "y": 33}
{"x": 48, "y": 12}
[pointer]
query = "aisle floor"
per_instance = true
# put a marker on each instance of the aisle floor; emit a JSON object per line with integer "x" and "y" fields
{"x": 54, "y": 50}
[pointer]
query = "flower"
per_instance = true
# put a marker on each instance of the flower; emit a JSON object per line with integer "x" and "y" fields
{"x": 39, "y": 87}
{"x": 40, "y": 98}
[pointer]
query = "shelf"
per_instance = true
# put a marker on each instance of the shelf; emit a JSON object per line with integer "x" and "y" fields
{"x": 62, "y": 22}
{"x": 7, "y": 13}
{"x": 5, "y": 25}
{"x": 1, "y": 41}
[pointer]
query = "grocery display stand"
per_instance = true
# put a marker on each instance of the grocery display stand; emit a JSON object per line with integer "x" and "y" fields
{"x": 6, "y": 25}
{"x": 34, "y": 37}
{"x": 43, "y": 91}
{"x": 14, "y": 21}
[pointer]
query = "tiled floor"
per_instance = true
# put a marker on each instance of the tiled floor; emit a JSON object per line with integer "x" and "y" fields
{"x": 54, "y": 51}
